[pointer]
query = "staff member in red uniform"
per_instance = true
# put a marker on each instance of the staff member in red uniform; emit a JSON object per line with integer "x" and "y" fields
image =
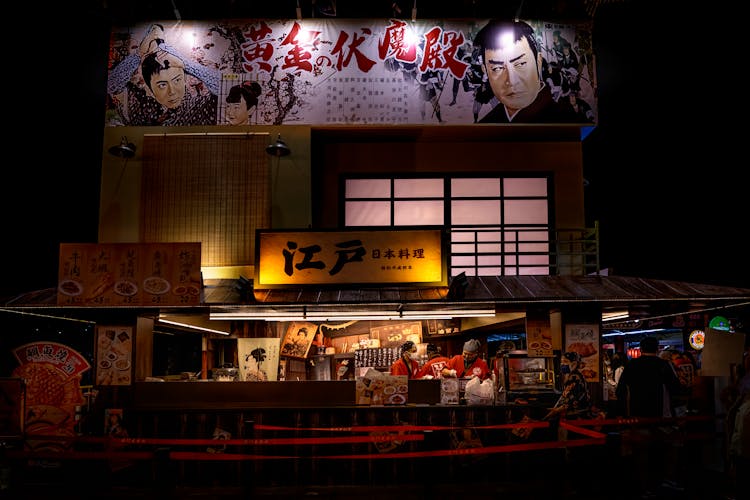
{"x": 467, "y": 364}
{"x": 433, "y": 368}
{"x": 406, "y": 365}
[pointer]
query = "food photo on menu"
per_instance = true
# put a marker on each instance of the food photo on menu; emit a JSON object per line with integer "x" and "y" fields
{"x": 584, "y": 340}
{"x": 114, "y": 349}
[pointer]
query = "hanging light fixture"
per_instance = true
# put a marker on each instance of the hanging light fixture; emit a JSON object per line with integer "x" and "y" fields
{"x": 124, "y": 150}
{"x": 278, "y": 148}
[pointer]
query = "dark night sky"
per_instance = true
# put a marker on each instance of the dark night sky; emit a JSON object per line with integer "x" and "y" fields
{"x": 667, "y": 183}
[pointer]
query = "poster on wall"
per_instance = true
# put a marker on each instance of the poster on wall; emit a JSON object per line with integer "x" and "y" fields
{"x": 259, "y": 359}
{"x": 584, "y": 339}
{"x": 298, "y": 339}
{"x": 114, "y": 423}
{"x": 52, "y": 372}
{"x": 347, "y": 71}
{"x": 396, "y": 333}
{"x": 114, "y": 355}
{"x": 129, "y": 274}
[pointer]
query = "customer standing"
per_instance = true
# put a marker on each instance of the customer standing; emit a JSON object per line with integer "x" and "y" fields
{"x": 738, "y": 432}
{"x": 646, "y": 387}
{"x": 616, "y": 366}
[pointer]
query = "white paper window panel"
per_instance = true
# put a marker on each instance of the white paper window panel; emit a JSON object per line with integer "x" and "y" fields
{"x": 418, "y": 213}
{"x": 462, "y": 236}
{"x": 488, "y": 248}
{"x": 510, "y": 260}
{"x": 470, "y": 271}
{"x": 489, "y": 260}
{"x": 368, "y": 188}
{"x": 473, "y": 271}
{"x": 490, "y": 271}
{"x": 462, "y": 248}
{"x": 463, "y": 260}
{"x": 368, "y": 213}
{"x": 540, "y": 247}
{"x": 475, "y": 188}
{"x": 523, "y": 234}
{"x": 475, "y": 212}
{"x": 418, "y": 188}
{"x": 526, "y": 271}
{"x": 475, "y": 247}
{"x": 514, "y": 187}
{"x": 525, "y": 211}
{"x": 489, "y": 236}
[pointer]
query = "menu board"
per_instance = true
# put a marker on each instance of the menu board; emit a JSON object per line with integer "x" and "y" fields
{"x": 538, "y": 338}
{"x": 584, "y": 339}
{"x": 114, "y": 353}
{"x": 376, "y": 388}
{"x": 396, "y": 333}
{"x": 129, "y": 274}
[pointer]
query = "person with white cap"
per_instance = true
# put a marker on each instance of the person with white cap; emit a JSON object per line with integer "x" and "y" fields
{"x": 468, "y": 363}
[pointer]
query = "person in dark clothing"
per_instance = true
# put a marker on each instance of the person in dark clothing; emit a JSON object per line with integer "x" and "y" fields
{"x": 646, "y": 387}
{"x": 648, "y": 383}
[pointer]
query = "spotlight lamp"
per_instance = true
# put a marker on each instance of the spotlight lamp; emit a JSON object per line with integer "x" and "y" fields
{"x": 278, "y": 148}
{"x": 124, "y": 150}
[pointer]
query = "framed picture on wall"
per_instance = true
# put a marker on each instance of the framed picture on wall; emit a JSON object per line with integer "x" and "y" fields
{"x": 298, "y": 339}
{"x": 259, "y": 359}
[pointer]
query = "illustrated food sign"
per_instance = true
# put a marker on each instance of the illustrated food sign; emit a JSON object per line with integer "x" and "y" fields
{"x": 52, "y": 372}
{"x": 129, "y": 274}
{"x": 351, "y": 257}
{"x": 584, "y": 339}
{"x": 114, "y": 353}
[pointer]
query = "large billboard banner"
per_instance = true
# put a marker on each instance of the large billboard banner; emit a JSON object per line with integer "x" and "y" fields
{"x": 350, "y": 71}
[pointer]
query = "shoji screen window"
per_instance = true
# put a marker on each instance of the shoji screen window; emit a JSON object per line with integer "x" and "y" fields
{"x": 498, "y": 225}
{"x": 394, "y": 202}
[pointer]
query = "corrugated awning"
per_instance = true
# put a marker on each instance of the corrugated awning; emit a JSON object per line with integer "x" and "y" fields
{"x": 505, "y": 292}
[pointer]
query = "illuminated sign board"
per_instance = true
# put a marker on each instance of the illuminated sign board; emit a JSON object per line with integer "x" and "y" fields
{"x": 696, "y": 339}
{"x": 350, "y": 257}
{"x": 129, "y": 274}
{"x": 719, "y": 323}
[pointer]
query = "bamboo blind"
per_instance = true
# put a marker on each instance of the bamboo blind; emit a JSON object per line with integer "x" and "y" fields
{"x": 214, "y": 189}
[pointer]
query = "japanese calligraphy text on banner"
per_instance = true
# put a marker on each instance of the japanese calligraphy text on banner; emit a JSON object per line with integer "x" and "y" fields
{"x": 343, "y": 71}
{"x": 350, "y": 257}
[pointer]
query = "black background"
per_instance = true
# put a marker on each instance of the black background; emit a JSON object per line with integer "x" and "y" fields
{"x": 666, "y": 163}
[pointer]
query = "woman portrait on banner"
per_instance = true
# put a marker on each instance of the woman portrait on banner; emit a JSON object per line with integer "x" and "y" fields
{"x": 158, "y": 86}
{"x": 241, "y": 101}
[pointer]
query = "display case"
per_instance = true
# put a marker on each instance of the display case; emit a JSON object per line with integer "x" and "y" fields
{"x": 529, "y": 374}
